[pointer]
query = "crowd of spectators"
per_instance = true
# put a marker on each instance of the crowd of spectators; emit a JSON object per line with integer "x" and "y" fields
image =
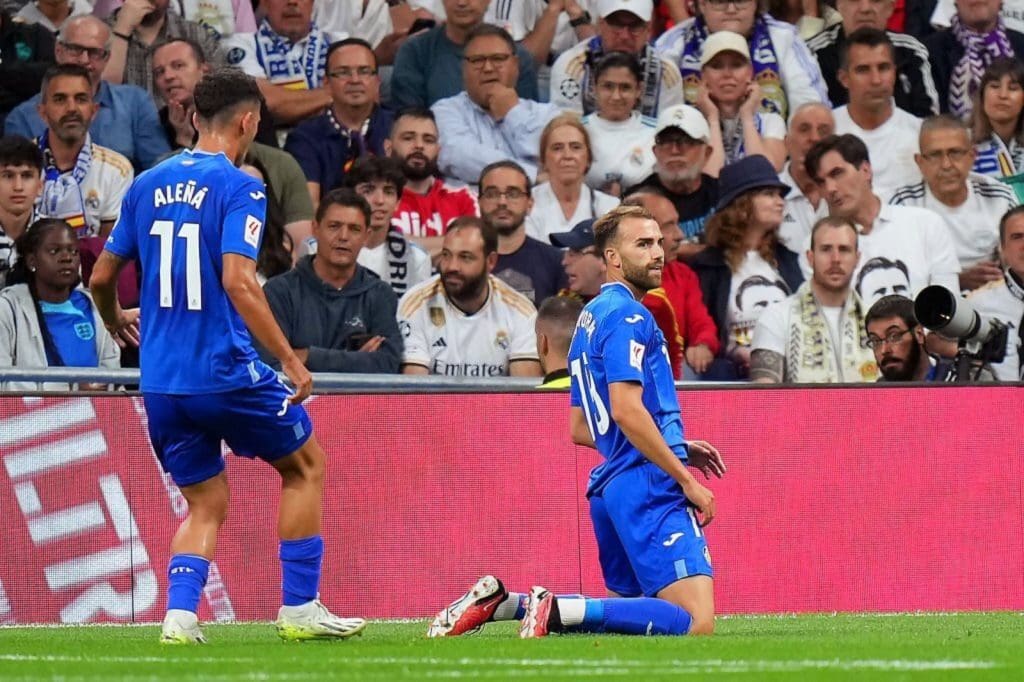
{"x": 433, "y": 169}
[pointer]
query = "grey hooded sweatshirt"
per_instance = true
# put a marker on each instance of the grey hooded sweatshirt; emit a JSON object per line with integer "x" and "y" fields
{"x": 333, "y": 323}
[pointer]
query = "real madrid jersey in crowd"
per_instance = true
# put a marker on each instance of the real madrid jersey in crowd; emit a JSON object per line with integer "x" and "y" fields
{"x": 267, "y": 54}
{"x": 179, "y": 220}
{"x": 616, "y": 339}
{"x": 623, "y": 150}
{"x": 449, "y": 342}
{"x": 974, "y": 224}
{"x": 891, "y": 148}
{"x": 87, "y": 194}
{"x": 1004, "y": 301}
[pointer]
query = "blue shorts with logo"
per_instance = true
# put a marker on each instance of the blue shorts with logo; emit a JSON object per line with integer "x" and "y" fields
{"x": 255, "y": 421}
{"x": 648, "y": 535}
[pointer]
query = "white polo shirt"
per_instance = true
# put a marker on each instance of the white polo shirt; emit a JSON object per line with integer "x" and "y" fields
{"x": 891, "y": 148}
{"x": 449, "y": 342}
{"x": 973, "y": 225}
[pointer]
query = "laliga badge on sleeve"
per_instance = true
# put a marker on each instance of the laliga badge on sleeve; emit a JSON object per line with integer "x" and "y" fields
{"x": 253, "y": 226}
{"x": 636, "y": 355}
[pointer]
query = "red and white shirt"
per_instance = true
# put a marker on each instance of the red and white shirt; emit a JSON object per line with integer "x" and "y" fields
{"x": 427, "y": 215}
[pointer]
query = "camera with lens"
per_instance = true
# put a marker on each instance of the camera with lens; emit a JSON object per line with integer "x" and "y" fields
{"x": 981, "y": 340}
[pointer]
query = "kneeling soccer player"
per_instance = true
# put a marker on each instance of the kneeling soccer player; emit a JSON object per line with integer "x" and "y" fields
{"x": 644, "y": 503}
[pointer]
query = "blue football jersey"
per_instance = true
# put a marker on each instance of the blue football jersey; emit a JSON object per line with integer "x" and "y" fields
{"x": 617, "y": 339}
{"x": 179, "y": 218}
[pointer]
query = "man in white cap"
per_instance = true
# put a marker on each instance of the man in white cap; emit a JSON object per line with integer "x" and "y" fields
{"x": 624, "y": 26}
{"x": 681, "y": 149}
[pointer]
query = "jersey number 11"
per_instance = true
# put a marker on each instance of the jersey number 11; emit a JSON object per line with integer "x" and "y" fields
{"x": 164, "y": 229}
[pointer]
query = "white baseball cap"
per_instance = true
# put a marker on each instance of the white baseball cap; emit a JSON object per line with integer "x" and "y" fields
{"x": 723, "y": 41}
{"x": 687, "y": 119}
{"x": 643, "y": 9}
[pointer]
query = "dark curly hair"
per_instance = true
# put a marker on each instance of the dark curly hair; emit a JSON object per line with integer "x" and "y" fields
{"x": 727, "y": 228}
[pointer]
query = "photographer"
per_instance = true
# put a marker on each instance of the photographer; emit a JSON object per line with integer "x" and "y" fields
{"x": 898, "y": 342}
{"x": 1004, "y": 300}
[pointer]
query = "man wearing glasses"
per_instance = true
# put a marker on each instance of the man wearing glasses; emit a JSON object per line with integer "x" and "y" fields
{"x": 353, "y": 126}
{"x": 970, "y": 204}
{"x": 126, "y": 119}
{"x": 489, "y": 121}
{"x": 287, "y": 55}
{"x": 682, "y": 145}
{"x": 624, "y": 26}
{"x": 897, "y": 341}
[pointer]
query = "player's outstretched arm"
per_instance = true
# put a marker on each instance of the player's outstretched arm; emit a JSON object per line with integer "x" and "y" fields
{"x": 122, "y": 324}
{"x": 239, "y": 280}
{"x": 628, "y": 411}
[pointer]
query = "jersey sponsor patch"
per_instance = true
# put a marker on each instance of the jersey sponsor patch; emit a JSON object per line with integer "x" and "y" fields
{"x": 252, "y": 231}
{"x": 636, "y": 354}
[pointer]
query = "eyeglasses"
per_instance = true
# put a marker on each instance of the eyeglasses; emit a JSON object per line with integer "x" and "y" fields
{"x": 722, "y": 4}
{"x": 477, "y": 61}
{"x": 874, "y": 342}
{"x": 512, "y": 194}
{"x": 345, "y": 73}
{"x": 95, "y": 53}
{"x": 954, "y": 155}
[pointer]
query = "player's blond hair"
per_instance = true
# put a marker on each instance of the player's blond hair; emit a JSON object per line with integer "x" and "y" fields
{"x": 606, "y": 228}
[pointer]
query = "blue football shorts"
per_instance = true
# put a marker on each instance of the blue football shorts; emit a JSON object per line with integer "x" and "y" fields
{"x": 256, "y": 422}
{"x": 648, "y": 535}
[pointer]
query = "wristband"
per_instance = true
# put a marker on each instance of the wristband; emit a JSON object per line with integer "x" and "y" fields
{"x": 122, "y": 36}
{"x": 581, "y": 20}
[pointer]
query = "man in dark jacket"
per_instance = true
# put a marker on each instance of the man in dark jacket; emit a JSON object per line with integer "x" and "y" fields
{"x": 26, "y": 51}
{"x": 336, "y": 314}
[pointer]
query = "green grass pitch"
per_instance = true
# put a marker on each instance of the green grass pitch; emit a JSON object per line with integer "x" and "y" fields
{"x": 970, "y": 646}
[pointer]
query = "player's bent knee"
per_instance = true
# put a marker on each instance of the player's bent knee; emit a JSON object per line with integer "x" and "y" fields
{"x": 308, "y": 463}
{"x": 702, "y": 625}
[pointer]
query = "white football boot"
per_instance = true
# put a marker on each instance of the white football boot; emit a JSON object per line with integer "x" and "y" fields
{"x": 312, "y": 620}
{"x": 181, "y": 627}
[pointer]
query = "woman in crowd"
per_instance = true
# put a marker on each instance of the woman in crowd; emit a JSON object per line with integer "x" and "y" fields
{"x": 745, "y": 268}
{"x": 622, "y": 138}
{"x": 276, "y": 249}
{"x": 48, "y": 319}
{"x": 997, "y": 120}
{"x": 563, "y": 201}
{"x": 783, "y": 66}
{"x": 731, "y": 100}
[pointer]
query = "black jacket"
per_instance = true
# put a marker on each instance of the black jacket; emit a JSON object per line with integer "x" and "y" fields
{"x": 946, "y": 52}
{"x": 334, "y": 323}
{"x": 26, "y": 52}
{"x": 915, "y": 92}
{"x": 716, "y": 281}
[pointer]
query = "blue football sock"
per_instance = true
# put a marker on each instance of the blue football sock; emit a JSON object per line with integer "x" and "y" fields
{"x": 640, "y": 616}
{"x": 186, "y": 577}
{"x": 300, "y": 569}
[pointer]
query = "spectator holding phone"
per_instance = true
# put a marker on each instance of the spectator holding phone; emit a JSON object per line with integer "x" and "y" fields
{"x": 336, "y": 314}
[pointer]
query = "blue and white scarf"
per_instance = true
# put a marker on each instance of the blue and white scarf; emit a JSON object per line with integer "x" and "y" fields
{"x": 996, "y": 159}
{"x": 762, "y": 54}
{"x": 273, "y": 53}
{"x": 62, "y": 191}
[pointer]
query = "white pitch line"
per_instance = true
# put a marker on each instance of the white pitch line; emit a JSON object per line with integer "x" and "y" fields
{"x": 52, "y": 658}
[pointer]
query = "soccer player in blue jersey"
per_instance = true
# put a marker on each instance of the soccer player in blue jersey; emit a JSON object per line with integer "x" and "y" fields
{"x": 195, "y": 222}
{"x": 648, "y": 510}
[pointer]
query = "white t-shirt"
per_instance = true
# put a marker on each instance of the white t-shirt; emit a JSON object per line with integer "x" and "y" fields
{"x": 30, "y": 14}
{"x": 974, "y": 225}
{"x": 799, "y": 216}
{"x": 547, "y": 218}
{"x": 371, "y": 23}
{"x": 907, "y": 249}
{"x": 995, "y": 300}
{"x": 755, "y": 286}
{"x": 448, "y": 342}
{"x": 397, "y": 261}
{"x": 623, "y": 150}
{"x": 891, "y": 148}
